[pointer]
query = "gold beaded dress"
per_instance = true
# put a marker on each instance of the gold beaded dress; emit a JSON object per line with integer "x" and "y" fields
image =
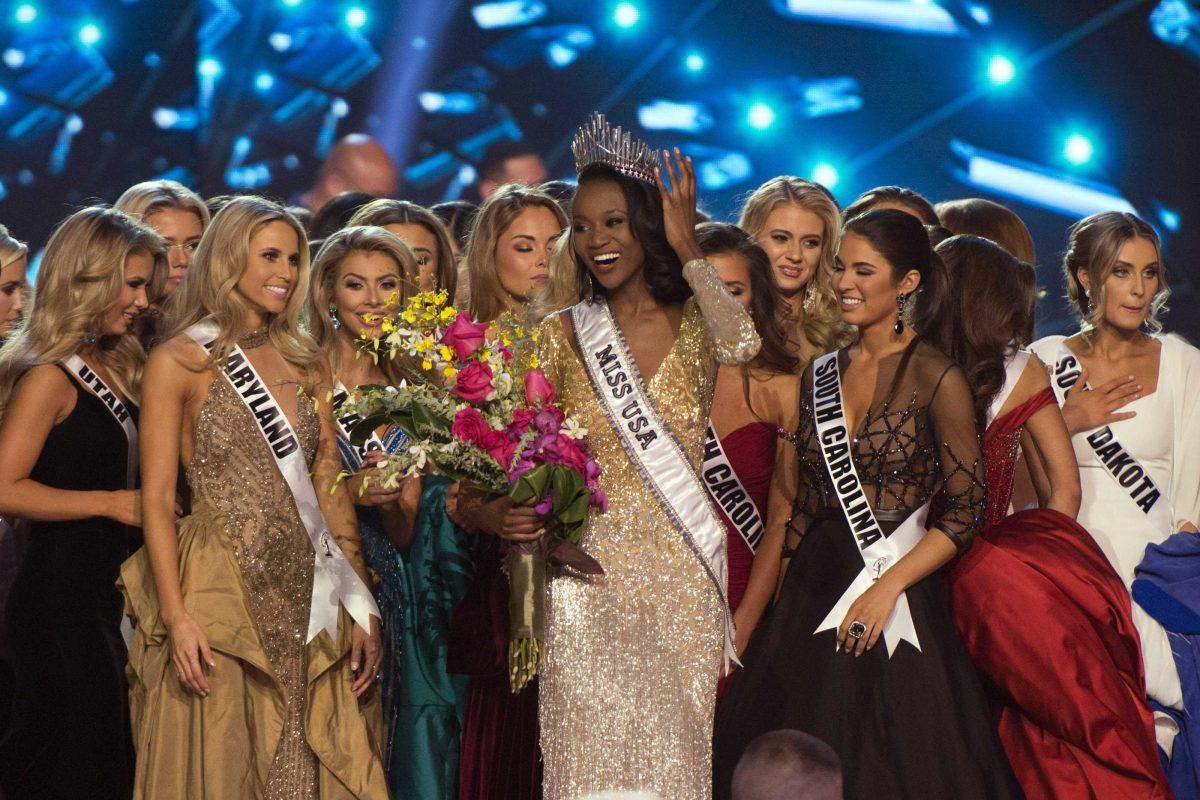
{"x": 280, "y": 720}
{"x": 633, "y": 656}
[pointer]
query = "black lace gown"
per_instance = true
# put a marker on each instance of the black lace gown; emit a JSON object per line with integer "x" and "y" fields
{"x": 914, "y": 725}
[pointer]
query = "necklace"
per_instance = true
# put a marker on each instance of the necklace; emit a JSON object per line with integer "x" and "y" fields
{"x": 254, "y": 338}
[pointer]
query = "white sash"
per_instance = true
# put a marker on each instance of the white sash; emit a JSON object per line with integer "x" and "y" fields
{"x": 724, "y": 485}
{"x": 96, "y": 385}
{"x": 879, "y": 553}
{"x": 651, "y": 446}
{"x": 1014, "y": 365}
{"x": 1133, "y": 479}
{"x": 334, "y": 579}
{"x": 346, "y": 423}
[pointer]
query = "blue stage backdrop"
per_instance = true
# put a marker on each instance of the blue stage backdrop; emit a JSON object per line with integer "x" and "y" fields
{"x": 1057, "y": 109}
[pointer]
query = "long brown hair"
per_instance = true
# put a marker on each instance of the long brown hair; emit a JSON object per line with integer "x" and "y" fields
{"x": 899, "y": 195}
{"x": 978, "y": 217}
{"x": 382, "y": 213}
{"x": 992, "y": 303}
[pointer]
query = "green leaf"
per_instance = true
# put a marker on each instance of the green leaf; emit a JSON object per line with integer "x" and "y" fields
{"x": 363, "y": 429}
{"x": 533, "y": 485}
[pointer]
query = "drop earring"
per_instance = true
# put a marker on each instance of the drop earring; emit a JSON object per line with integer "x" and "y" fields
{"x": 90, "y": 339}
{"x": 333, "y": 318}
{"x": 810, "y": 296}
{"x": 899, "y": 326}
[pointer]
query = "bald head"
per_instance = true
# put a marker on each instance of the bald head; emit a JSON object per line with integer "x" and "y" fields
{"x": 357, "y": 163}
{"x": 788, "y": 765}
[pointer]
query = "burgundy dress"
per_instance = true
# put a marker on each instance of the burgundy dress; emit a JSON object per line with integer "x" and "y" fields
{"x": 1047, "y": 620}
{"x": 751, "y": 452}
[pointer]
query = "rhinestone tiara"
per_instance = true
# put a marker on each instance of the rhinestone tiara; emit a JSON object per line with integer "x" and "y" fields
{"x": 597, "y": 142}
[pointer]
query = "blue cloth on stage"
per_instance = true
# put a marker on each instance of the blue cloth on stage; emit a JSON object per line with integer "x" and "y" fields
{"x": 1167, "y": 585}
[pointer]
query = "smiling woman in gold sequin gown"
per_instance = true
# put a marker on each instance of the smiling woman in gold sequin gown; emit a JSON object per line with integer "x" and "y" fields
{"x": 229, "y": 698}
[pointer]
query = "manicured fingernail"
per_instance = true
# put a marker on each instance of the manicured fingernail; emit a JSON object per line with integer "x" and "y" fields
{"x": 353, "y": 666}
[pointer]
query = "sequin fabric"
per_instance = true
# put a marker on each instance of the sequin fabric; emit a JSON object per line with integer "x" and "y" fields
{"x": 628, "y": 689}
{"x": 233, "y": 471}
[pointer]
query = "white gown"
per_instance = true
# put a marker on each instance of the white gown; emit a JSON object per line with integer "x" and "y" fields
{"x": 1164, "y": 437}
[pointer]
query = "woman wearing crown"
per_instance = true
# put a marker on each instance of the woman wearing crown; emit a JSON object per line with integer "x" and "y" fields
{"x": 634, "y": 655}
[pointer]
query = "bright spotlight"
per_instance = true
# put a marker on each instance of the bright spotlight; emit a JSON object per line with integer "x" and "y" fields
{"x": 89, "y": 34}
{"x": 694, "y": 62}
{"x": 26, "y": 13}
{"x": 626, "y": 15}
{"x": 292, "y": 3}
{"x": 1169, "y": 219}
{"x": 264, "y": 81}
{"x": 356, "y": 17}
{"x": 1001, "y": 70}
{"x": 14, "y": 58}
{"x": 826, "y": 175}
{"x": 1078, "y": 149}
{"x": 761, "y": 116}
{"x": 3, "y": 98}
{"x": 209, "y": 67}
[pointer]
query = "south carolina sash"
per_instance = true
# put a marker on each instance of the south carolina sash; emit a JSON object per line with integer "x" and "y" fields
{"x": 726, "y": 488}
{"x": 334, "y": 580}
{"x": 352, "y": 454}
{"x": 1119, "y": 463}
{"x": 96, "y": 385}
{"x": 651, "y": 446}
{"x": 879, "y": 553}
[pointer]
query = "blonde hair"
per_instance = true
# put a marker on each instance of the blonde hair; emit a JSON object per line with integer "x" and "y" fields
{"x": 381, "y": 213}
{"x": 210, "y": 289}
{"x": 822, "y": 326}
{"x": 143, "y": 200}
{"x": 335, "y": 250}
{"x": 80, "y": 278}
{"x": 495, "y": 216}
{"x": 1094, "y": 244}
{"x": 10, "y": 248}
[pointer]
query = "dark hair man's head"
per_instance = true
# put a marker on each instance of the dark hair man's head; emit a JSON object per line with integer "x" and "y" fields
{"x": 788, "y": 765}
{"x": 510, "y": 162}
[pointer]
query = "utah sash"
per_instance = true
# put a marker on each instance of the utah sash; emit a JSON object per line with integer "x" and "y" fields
{"x": 651, "y": 446}
{"x": 726, "y": 488}
{"x": 96, "y": 385}
{"x": 879, "y": 553}
{"x": 1119, "y": 463}
{"x": 334, "y": 580}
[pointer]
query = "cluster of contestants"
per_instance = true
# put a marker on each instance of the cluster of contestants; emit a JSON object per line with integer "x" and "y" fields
{"x": 961, "y": 557}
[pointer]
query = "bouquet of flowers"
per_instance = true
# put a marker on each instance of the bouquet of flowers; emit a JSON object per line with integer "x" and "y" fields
{"x": 477, "y": 408}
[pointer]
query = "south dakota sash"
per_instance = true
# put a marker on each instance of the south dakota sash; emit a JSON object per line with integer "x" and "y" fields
{"x": 334, "y": 580}
{"x": 96, "y": 385}
{"x": 1133, "y": 479}
{"x": 726, "y": 488}
{"x": 879, "y": 553}
{"x": 651, "y": 446}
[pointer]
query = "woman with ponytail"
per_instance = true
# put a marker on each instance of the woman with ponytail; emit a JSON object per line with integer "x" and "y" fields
{"x": 860, "y": 649}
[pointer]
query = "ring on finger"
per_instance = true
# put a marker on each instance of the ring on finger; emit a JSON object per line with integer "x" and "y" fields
{"x": 857, "y": 630}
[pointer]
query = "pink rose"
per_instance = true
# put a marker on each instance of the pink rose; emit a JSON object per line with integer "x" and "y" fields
{"x": 464, "y": 336}
{"x": 470, "y": 426}
{"x": 572, "y": 454}
{"x": 522, "y": 419}
{"x": 499, "y": 446}
{"x": 538, "y": 390}
{"x": 474, "y": 382}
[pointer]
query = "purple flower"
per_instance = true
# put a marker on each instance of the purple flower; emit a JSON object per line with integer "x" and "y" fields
{"x": 546, "y": 505}
{"x": 599, "y": 500}
{"x": 547, "y": 422}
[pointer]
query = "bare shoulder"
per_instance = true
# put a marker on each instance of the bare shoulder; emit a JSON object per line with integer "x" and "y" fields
{"x": 778, "y": 394}
{"x": 46, "y": 382}
{"x": 178, "y": 353}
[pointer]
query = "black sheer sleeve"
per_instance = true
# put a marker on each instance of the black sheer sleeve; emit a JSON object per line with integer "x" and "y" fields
{"x": 959, "y": 458}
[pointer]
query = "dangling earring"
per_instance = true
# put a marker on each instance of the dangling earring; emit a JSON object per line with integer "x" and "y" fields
{"x": 1087, "y": 302}
{"x": 90, "y": 339}
{"x": 333, "y": 318}
{"x": 810, "y": 296}
{"x": 899, "y": 326}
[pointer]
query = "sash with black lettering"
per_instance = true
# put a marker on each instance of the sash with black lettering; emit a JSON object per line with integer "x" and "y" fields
{"x": 879, "y": 552}
{"x": 334, "y": 580}
{"x": 651, "y": 446}
{"x": 96, "y": 385}
{"x": 352, "y": 454}
{"x": 726, "y": 488}
{"x": 1119, "y": 463}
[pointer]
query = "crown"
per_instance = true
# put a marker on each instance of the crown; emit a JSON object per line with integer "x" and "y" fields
{"x": 597, "y": 142}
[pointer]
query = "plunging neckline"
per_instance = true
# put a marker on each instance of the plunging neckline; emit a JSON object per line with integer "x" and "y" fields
{"x": 634, "y": 368}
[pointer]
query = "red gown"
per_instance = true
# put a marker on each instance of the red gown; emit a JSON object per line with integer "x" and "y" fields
{"x": 1047, "y": 620}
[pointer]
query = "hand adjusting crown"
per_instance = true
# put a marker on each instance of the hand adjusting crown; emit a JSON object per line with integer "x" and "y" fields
{"x": 597, "y": 142}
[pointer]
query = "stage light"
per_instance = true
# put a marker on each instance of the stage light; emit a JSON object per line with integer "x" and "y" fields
{"x": 1001, "y": 70}
{"x": 694, "y": 62}
{"x": 14, "y": 58}
{"x": 264, "y": 81}
{"x": 626, "y": 15}
{"x": 558, "y": 55}
{"x": 292, "y": 3}
{"x": 1174, "y": 21}
{"x": 89, "y": 34}
{"x": 356, "y": 17}
{"x": 1037, "y": 185}
{"x": 3, "y": 98}
{"x": 280, "y": 42}
{"x": 668, "y": 115}
{"x": 507, "y": 13}
{"x": 826, "y": 174}
{"x": 1169, "y": 219}
{"x": 980, "y": 13}
{"x": 339, "y": 107}
{"x": 450, "y": 102}
{"x": 26, "y": 13}
{"x": 908, "y": 16}
{"x": 822, "y": 98}
{"x": 209, "y": 67}
{"x": 718, "y": 168}
{"x": 1078, "y": 149}
{"x": 760, "y": 116}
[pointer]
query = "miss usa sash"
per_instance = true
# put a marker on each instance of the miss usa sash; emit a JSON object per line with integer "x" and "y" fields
{"x": 334, "y": 580}
{"x": 879, "y": 553}
{"x": 726, "y": 488}
{"x": 352, "y": 454}
{"x": 1133, "y": 479}
{"x": 651, "y": 446}
{"x": 96, "y": 385}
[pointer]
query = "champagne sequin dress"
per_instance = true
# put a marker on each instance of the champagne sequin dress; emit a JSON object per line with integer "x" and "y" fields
{"x": 246, "y": 570}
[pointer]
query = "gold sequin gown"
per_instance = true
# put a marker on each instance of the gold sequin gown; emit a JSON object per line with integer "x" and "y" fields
{"x": 246, "y": 566}
{"x": 633, "y": 657}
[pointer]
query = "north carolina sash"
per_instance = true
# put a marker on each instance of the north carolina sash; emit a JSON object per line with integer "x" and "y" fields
{"x": 96, "y": 385}
{"x": 651, "y": 446}
{"x": 726, "y": 488}
{"x": 334, "y": 580}
{"x": 1119, "y": 463}
{"x": 879, "y": 553}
